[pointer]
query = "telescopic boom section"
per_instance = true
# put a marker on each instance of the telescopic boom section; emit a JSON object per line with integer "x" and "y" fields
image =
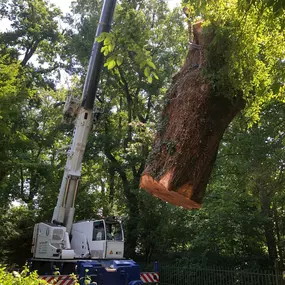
{"x": 64, "y": 210}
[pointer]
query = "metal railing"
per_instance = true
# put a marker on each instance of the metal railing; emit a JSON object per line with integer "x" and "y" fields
{"x": 180, "y": 275}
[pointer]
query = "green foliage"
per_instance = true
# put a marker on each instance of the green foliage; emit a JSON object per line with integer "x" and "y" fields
{"x": 12, "y": 94}
{"x": 245, "y": 50}
{"x": 34, "y": 31}
{"x": 24, "y": 278}
{"x": 16, "y": 233}
{"x": 247, "y": 187}
{"x": 116, "y": 57}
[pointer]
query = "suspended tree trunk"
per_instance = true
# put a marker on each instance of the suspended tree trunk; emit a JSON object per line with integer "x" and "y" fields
{"x": 192, "y": 124}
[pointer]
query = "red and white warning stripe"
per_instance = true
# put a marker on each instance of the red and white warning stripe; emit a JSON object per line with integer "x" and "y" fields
{"x": 149, "y": 277}
{"x": 58, "y": 280}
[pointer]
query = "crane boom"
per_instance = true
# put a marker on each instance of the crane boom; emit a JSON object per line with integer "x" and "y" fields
{"x": 64, "y": 211}
{"x": 62, "y": 239}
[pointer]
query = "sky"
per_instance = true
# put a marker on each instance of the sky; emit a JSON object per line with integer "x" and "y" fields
{"x": 64, "y": 4}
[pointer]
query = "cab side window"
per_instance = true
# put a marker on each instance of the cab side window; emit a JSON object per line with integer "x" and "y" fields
{"x": 98, "y": 231}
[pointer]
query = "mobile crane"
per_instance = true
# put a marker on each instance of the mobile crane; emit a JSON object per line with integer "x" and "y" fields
{"x": 96, "y": 247}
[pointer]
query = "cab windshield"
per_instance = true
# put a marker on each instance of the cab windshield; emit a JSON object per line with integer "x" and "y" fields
{"x": 112, "y": 231}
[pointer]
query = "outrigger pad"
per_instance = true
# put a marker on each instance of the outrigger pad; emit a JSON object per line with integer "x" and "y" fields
{"x": 192, "y": 124}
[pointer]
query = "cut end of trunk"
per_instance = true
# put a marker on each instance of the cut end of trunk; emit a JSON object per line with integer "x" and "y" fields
{"x": 193, "y": 120}
{"x": 160, "y": 189}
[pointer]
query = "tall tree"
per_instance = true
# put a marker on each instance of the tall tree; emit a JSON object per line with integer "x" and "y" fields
{"x": 34, "y": 33}
{"x": 29, "y": 52}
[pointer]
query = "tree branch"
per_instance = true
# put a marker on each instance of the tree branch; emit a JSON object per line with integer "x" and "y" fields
{"x": 30, "y": 51}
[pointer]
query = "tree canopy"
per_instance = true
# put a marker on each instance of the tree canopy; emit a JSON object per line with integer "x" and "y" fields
{"x": 246, "y": 53}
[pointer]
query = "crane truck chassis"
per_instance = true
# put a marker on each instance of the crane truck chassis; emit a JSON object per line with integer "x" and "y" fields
{"x": 91, "y": 250}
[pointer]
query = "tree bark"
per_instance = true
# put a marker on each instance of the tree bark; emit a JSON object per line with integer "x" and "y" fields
{"x": 132, "y": 202}
{"x": 30, "y": 51}
{"x": 193, "y": 122}
{"x": 278, "y": 235}
{"x": 268, "y": 223}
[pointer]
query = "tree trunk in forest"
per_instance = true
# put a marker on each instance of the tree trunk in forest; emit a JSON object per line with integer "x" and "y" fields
{"x": 131, "y": 224}
{"x": 134, "y": 216}
{"x": 193, "y": 121}
{"x": 132, "y": 202}
{"x": 269, "y": 232}
{"x": 278, "y": 235}
{"x": 131, "y": 231}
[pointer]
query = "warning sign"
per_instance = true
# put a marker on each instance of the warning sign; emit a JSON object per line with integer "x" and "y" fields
{"x": 111, "y": 252}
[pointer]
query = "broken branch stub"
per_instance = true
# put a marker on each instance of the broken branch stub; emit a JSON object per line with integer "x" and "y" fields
{"x": 192, "y": 124}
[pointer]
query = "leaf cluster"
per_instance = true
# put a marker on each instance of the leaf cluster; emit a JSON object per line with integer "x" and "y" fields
{"x": 244, "y": 50}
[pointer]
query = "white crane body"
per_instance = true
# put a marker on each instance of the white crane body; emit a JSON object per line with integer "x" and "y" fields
{"x": 92, "y": 248}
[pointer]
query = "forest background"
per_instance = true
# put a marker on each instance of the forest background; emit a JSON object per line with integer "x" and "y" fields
{"x": 242, "y": 220}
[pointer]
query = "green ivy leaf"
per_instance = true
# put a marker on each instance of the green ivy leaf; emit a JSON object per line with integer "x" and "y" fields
{"x": 155, "y": 75}
{"x": 111, "y": 64}
{"x": 107, "y": 41}
{"x": 119, "y": 60}
{"x": 151, "y": 64}
{"x": 147, "y": 71}
{"x": 111, "y": 47}
{"x": 101, "y": 38}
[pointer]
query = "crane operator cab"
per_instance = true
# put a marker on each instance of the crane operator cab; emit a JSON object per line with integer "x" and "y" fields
{"x": 99, "y": 239}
